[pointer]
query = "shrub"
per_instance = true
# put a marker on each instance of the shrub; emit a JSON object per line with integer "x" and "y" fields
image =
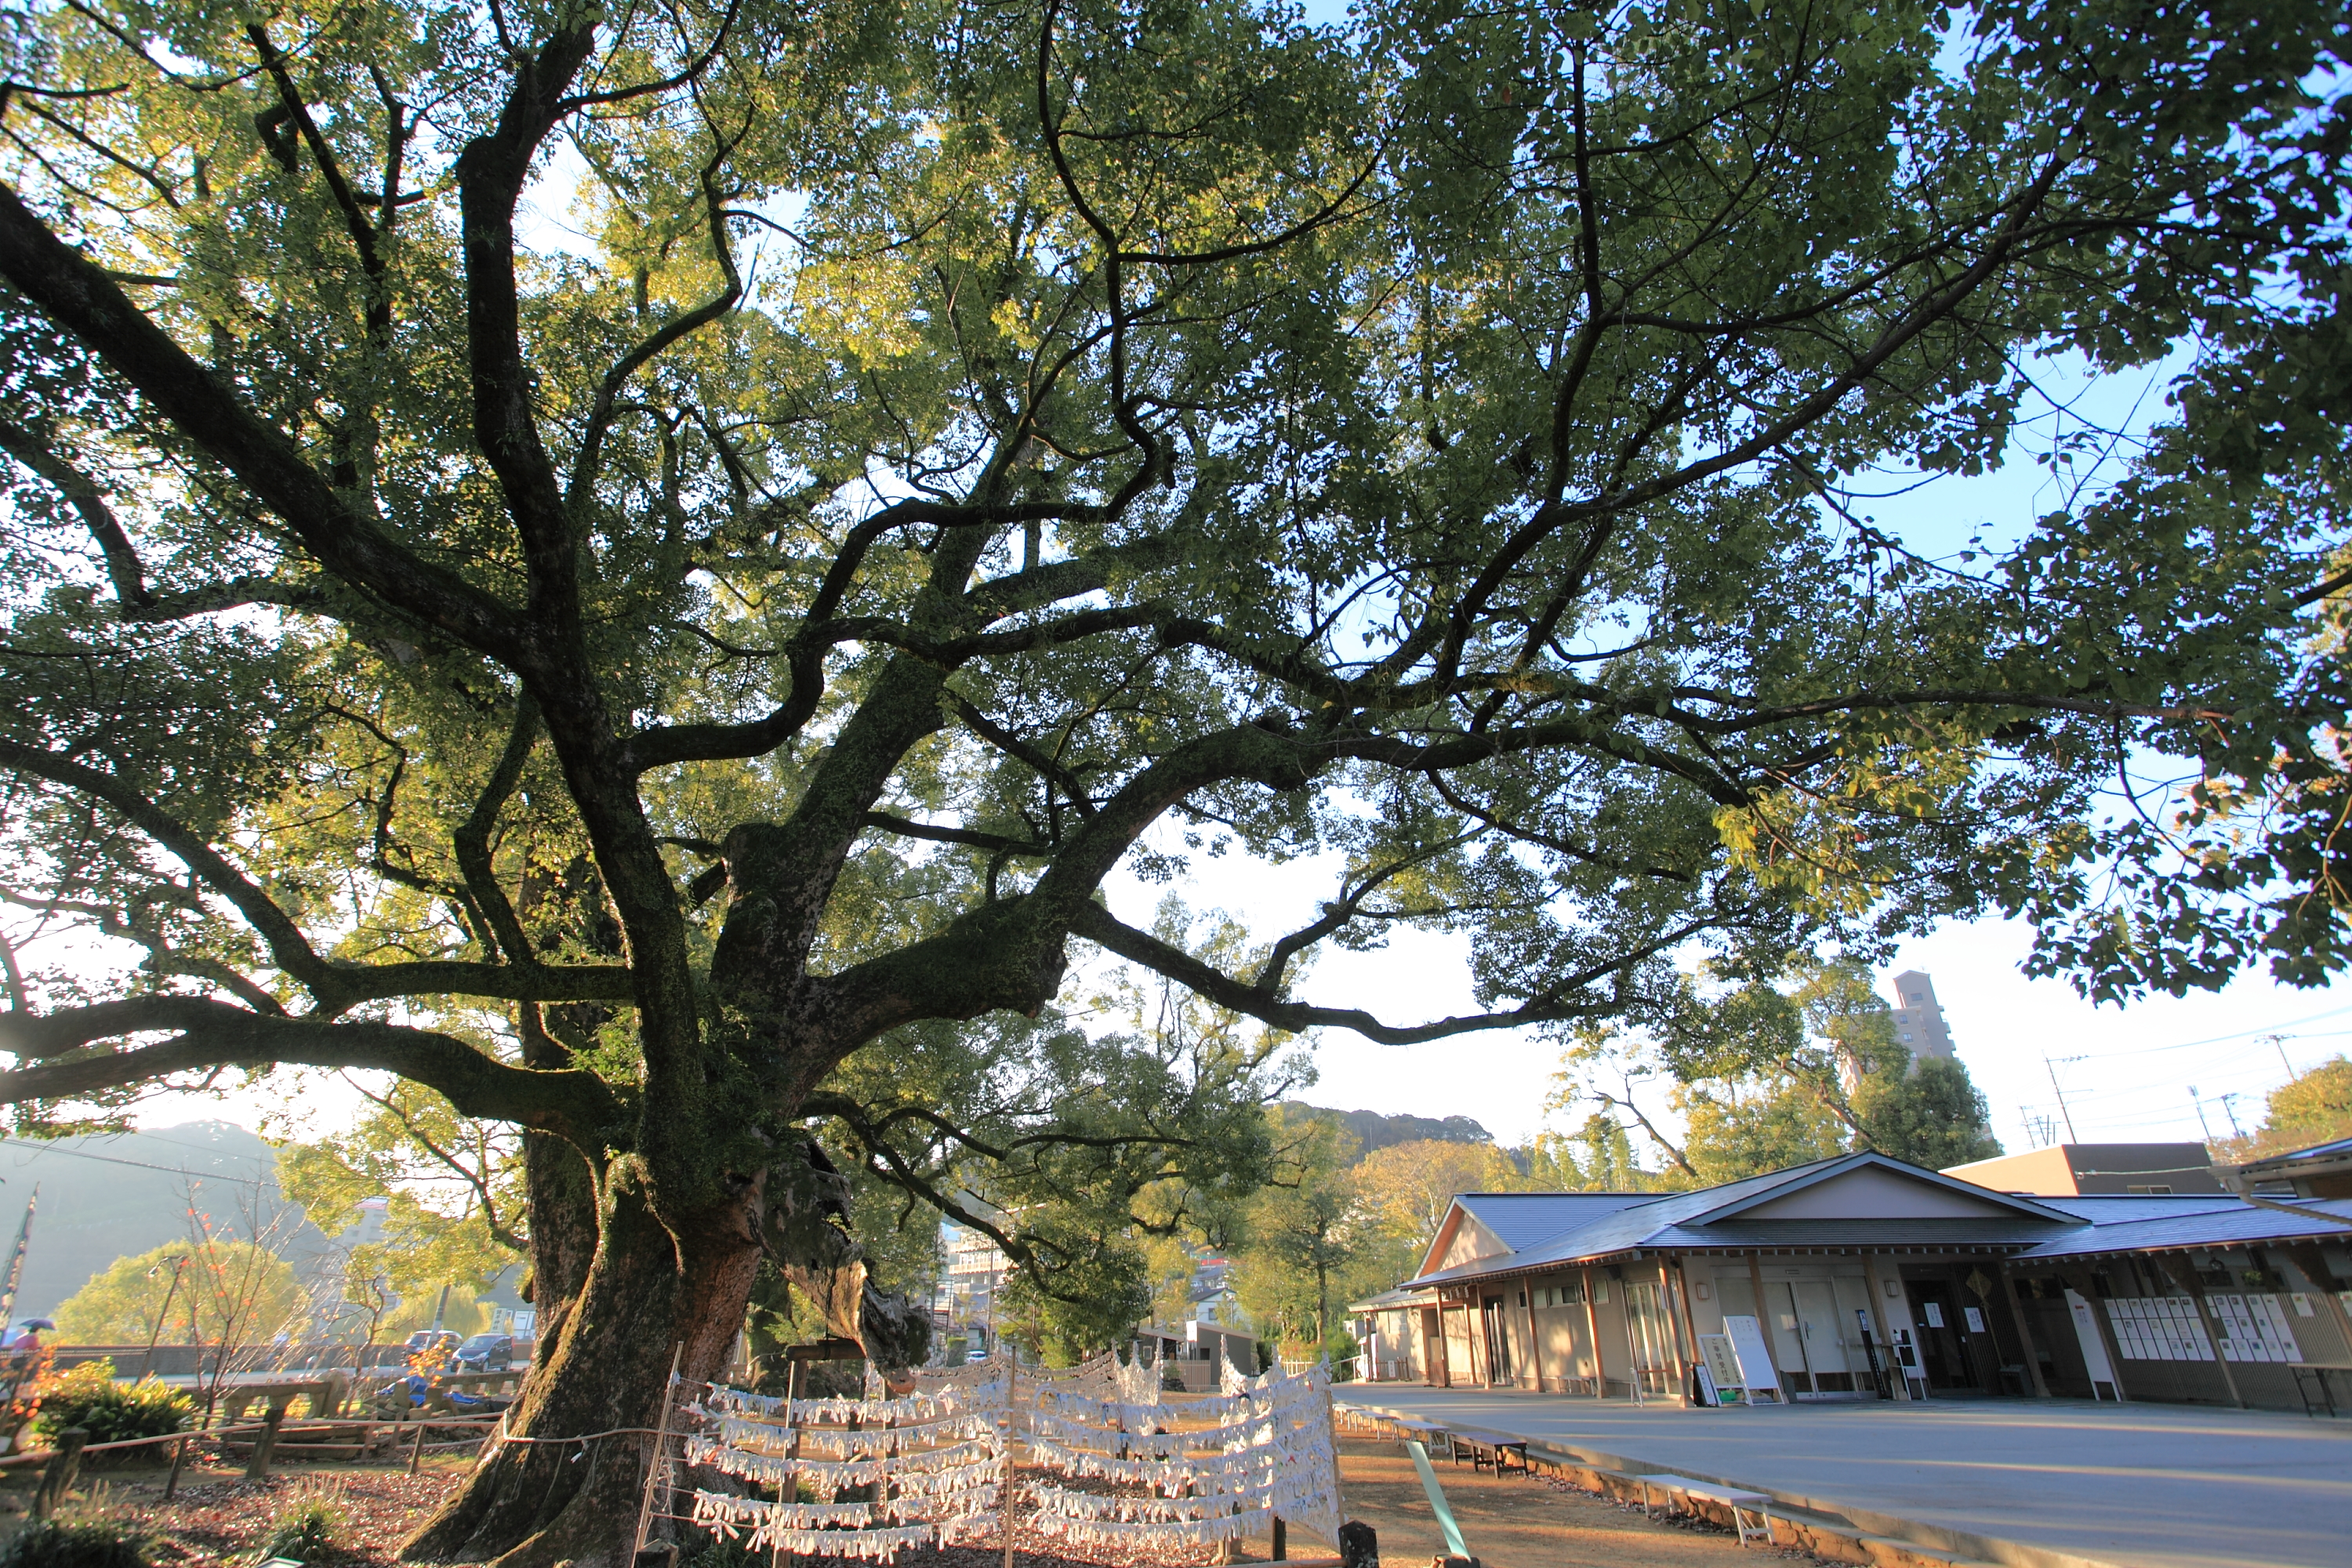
{"x": 75, "y": 1543}
{"x": 716, "y": 1552}
{"x": 110, "y": 1412}
{"x": 304, "y": 1526}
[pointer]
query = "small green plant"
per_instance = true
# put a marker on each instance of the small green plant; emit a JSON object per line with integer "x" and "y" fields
{"x": 306, "y": 1525}
{"x": 75, "y": 1543}
{"x": 88, "y": 1398}
{"x": 716, "y": 1552}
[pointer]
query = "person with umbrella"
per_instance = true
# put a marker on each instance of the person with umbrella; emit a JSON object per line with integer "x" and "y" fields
{"x": 22, "y": 1345}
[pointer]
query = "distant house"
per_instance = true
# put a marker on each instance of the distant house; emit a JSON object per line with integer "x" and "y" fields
{"x": 2075, "y": 1169}
{"x": 1865, "y": 1276}
{"x": 2323, "y": 1171}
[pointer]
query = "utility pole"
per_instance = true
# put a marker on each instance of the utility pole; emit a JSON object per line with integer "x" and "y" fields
{"x": 2060, "y": 1093}
{"x": 2203, "y": 1126}
{"x": 2278, "y": 1042}
{"x": 165, "y": 1310}
{"x": 2230, "y": 1104}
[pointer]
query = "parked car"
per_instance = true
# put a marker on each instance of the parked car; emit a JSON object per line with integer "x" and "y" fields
{"x": 487, "y": 1352}
{"x": 430, "y": 1347}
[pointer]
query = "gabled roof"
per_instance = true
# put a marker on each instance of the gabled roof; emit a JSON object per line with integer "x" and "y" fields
{"x": 1861, "y": 1199}
{"x": 1958, "y": 1199}
{"x": 1513, "y": 1222}
{"x": 1522, "y": 1219}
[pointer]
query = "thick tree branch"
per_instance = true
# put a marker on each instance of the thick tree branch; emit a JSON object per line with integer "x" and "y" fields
{"x": 471, "y": 838}
{"x": 905, "y": 828}
{"x": 1100, "y": 927}
{"x": 337, "y": 986}
{"x": 77, "y": 294}
{"x": 573, "y": 1103}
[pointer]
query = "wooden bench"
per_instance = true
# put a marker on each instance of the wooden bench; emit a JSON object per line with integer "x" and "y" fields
{"x": 325, "y": 1396}
{"x": 1486, "y": 1448}
{"x": 1732, "y": 1498}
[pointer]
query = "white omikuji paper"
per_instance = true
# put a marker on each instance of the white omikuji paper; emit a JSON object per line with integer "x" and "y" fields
{"x": 1268, "y": 1449}
{"x": 1209, "y": 1469}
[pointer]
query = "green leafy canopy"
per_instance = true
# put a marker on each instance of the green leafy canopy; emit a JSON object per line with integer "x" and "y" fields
{"x": 645, "y": 690}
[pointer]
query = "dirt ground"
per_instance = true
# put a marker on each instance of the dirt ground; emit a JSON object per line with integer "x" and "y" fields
{"x": 1518, "y": 1521}
{"x": 1515, "y": 1521}
{"x": 217, "y": 1517}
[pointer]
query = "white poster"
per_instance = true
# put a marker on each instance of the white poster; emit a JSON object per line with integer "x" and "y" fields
{"x": 1747, "y": 1336}
{"x": 1975, "y": 1318}
{"x": 1935, "y": 1311}
{"x": 2094, "y": 1349}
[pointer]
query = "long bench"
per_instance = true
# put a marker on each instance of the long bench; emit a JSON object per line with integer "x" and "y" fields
{"x": 1741, "y": 1502}
{"x": 1486, "y": 1448}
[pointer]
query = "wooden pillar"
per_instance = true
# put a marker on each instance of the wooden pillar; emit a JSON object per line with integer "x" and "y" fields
{"x": 2178, "y": 1266}
{"x": 1535, "y": 1338}
{"x": 1764, "y": 1323}
{"x": 1690, "y": 1323}
{"x": 1632, "y": 1353}
{"x": 1592, "y": 1328}
{"x": 1674, "y": 1327}
{"x": 2024, "y": 1334}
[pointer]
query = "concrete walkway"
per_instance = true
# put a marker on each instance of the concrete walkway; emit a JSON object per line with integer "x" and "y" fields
{"x": 2138, "y": 1486}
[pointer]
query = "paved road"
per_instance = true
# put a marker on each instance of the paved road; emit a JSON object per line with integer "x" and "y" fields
{"x": 2142, "y": 1485}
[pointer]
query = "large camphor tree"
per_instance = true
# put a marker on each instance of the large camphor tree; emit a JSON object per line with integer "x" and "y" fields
{"x": 639, "y": 566}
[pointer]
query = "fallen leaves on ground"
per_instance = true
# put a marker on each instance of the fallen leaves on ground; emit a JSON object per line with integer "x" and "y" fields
{"x": 211, "y": 1523}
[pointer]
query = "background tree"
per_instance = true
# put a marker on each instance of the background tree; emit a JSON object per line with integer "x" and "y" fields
{"x": 456, "y": 1209}
{"x": 978, "y": 450}
{"x": 1306, "y": 1231}
{"x": 235, "y": 1282}
{"x": 1766, "y": 1078}
{"x": 1598, "y": 1157}
{"x": 2313, "y": 1107}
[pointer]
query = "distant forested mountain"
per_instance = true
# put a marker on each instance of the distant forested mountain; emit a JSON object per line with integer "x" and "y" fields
{"x": 102, "y": 1197}
{"x": 1379, "y": 1132}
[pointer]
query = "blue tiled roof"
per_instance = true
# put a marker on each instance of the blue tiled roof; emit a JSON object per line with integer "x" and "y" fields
{"x": 2233, "y": 1227}
{"x": 1723, "y": 1218}
{"x": 1523, "y": 1219}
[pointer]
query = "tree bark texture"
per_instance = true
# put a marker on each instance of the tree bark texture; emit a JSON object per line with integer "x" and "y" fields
{"x": 565, "y": 1486}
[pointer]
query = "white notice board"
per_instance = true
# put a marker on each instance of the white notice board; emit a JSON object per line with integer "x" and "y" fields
{"x": 1721, "y": 1365}
{"x": 1747, "y": 1336}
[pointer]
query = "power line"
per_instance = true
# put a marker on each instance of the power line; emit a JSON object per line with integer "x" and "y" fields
{"x": 2223, "y": 1040}
{"x": 135, "y": 1164}
{"x": 204, "y": 1148}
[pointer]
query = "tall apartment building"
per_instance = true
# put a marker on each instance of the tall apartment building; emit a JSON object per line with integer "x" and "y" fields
{"x": 975, "y": 1274}
{"x": 1918, "y": 1017}
{"x": 1918, "y": 1021}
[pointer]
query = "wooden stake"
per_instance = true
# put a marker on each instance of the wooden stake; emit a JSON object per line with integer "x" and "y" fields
{"x": 661, "y": 1443}
{"x": 171, "y": 1481}
{"x": 1012, "y": 1382}
{"x": 787, "y": 1488}
{"x": 416, "y": 1447}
